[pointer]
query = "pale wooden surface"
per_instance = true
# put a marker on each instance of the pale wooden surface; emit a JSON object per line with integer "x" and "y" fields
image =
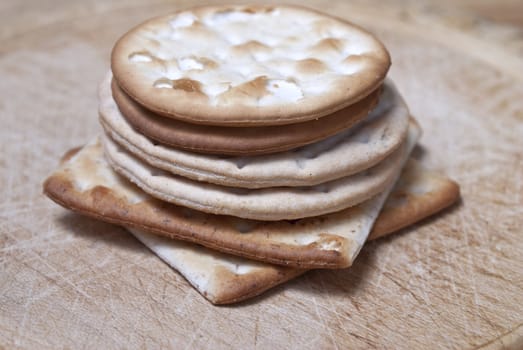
{"x": 453, "y": 282}
{"x": 503, "y": 11}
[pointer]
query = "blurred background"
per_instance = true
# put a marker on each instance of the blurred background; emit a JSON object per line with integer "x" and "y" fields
{"x": 508, "y": 11}
{"x": 34, "y": 13}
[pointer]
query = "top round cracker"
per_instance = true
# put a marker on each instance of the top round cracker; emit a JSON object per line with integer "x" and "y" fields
{"x": 244, "y": 66}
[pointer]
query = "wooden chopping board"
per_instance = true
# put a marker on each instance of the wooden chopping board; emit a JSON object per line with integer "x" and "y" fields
{"x": 455, "y": 281}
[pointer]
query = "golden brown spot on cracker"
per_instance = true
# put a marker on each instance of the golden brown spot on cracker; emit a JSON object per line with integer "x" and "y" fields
{"x": 329, "y": 44}
{"x": 199, "y": 31}
{"x": 251, "y": 46}
{"x": 208, "y": 63}
{"x": 310, "y": 66}
{"x": 257, "y": 9}
{"x": 197, "y": 23}
{"x": 224, "y": 11}
{"x": 100, "y": 191}
{"x": 188, "y": 85}
{"x": 154, "y": 43}
{"x": 354, "y": 59}
{"x": 256, "y": 88}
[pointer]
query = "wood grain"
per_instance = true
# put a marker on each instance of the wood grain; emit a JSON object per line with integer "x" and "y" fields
{"x": 455, "y": 281}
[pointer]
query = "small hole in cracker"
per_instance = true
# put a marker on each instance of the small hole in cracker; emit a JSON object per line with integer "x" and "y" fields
{"x": 244, "y": 226}
{"x": 362, "y": 137}
{"x": 300, "y": 163}
{"x": 239, "y": 191}
{"x": 240, "y": 162}
{"x": 187, "y": 213}
{"x": 157, "y": 172}
{"x": 322, "y": 188}
{"x": 308, "y": 153}
{"x": 385, "y": 133}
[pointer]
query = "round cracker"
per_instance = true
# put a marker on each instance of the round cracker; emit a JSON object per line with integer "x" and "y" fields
{"x": 236, "y": 140}
{"x": 360, "y": 148}
{"x": 269, "y": 204}
{"x": 244, "y": 66}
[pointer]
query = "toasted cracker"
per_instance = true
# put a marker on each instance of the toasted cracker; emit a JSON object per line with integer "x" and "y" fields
{"x": 269, "y": 204}
{"x": 224, "y": 140}
{"x": 237, "y": 65}
{"x": 360, "y": 148}
{"x": 87, "y": 184}
{"x": 418, "y": 194}
{"x": 219, "y": 277}
{"x": 225, "y": 279}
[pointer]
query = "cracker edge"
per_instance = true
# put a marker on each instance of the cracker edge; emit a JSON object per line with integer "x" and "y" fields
{"x": 421, "y": 206}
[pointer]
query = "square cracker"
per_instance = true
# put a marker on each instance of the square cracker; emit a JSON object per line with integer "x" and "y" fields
{"x": 225, "y": 279}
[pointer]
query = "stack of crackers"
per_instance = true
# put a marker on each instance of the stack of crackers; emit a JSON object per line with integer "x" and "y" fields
{"x": 245, "y": 145}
